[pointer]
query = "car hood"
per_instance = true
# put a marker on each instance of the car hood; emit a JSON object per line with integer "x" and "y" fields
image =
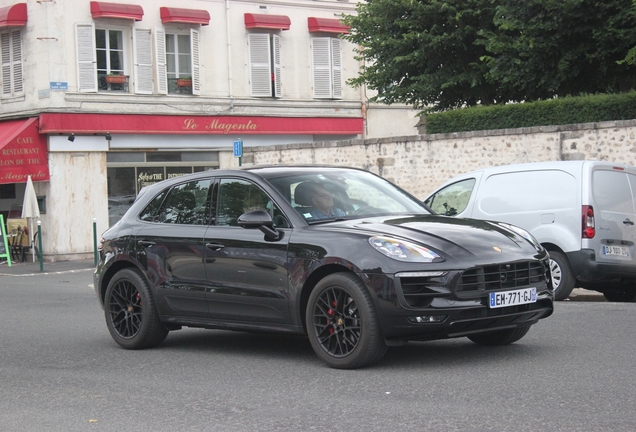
{"x": 454, "y": 237}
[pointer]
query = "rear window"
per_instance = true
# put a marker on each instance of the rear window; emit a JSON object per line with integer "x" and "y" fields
{"x": 612, "y": 191}
{"x": 528, "y": 191}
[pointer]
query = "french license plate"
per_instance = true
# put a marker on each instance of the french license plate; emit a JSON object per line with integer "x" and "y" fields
{"x": 615, "y": 250}
{"x": 511, "y": 298}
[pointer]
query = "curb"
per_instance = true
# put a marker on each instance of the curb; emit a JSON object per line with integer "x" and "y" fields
{"x": 581, "y": 294}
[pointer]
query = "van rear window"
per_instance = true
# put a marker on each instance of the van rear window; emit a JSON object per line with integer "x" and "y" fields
{"x": 612, "y": 191}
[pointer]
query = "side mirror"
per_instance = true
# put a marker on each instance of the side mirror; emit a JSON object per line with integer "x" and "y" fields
{"x": 261, "y": 220}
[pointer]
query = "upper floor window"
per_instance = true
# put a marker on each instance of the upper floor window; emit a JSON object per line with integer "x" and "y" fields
{"x": 11, "y": 71}
{"x": 104, "y": 59}
{"x": 265, "y": 65}
{"x": 326, "y": 67}
{"x": 178, "y": 62}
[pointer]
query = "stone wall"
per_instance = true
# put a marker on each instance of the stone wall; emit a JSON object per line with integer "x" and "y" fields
{"x": 420, "y": 163}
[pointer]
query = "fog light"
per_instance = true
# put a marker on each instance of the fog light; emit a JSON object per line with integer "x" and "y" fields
{"x": 427, "y": 319}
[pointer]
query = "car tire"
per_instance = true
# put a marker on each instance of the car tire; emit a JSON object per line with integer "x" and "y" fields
{"x": 500, "y": 337}
{"x": 562, "y": 278}
{"x": 130, "y": 311}
{"x": 621, "y": 296}
{"x": 342, "y": 324}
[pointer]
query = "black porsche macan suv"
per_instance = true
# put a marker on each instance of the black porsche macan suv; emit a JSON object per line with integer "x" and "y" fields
{"x": 255, "y": 250}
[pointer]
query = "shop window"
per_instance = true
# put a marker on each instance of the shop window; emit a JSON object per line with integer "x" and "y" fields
{"x": 178, "y": 62}
{"x": 7, "y": 191}
{"x": 11, "y": 70}
{"x": 326, "y": 67}
{"x": 265, "y": 65}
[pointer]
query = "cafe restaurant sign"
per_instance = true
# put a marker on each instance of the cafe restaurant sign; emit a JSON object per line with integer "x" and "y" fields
{"x": 23, "y": 152}
{"x": 200, "y": 125}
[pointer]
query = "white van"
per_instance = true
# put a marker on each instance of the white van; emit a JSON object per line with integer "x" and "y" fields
{"x": 583, "y": 212}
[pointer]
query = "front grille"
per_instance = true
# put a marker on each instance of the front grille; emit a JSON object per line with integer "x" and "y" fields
{"x": 502, "y": 276}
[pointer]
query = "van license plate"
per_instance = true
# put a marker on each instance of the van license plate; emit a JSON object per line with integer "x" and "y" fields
{"x": 511, "y": 298}
{"x": 615, "y": 250}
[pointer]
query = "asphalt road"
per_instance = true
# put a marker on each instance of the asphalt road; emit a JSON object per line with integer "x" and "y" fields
{"x": 60, "y": 370}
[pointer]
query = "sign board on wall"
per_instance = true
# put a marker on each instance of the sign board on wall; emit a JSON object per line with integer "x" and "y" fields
{"x": 23, "y": 152}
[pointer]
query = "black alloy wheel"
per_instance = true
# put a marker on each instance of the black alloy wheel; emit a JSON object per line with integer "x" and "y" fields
{"x": 341, "y": 323}
{"x": 131, "y": 315}
{"x": 500, "y": 337}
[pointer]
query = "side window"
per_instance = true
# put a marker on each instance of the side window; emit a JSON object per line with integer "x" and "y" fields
{"x": 151, "y": 212}
{"x": 186, "y": 204}
{"x": 612, "y": 191}
{"x": 11, "y": 72}
{"x": 453, "y": 199}
{"x": 239, "y": 196}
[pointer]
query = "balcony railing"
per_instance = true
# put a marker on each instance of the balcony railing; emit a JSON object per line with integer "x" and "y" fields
{"x": 179, "y": 86}
{"x": 104, "y": 82}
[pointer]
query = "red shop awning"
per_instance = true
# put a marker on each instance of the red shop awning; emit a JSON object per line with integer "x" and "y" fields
{"x": 22, "y": 152}
{"x": 187, "y": 16}
{"x": 266, "y": 21}
{"x": 13, "y": 16}
{"x": 116, "y": 10}
{"x": 326, "y": 25}
{"x": 92, "y": 124}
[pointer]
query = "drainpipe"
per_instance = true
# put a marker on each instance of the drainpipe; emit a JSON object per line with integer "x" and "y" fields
{"x": 229, "y": 47}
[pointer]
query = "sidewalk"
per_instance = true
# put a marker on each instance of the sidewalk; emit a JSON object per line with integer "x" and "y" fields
{"x": 28, "y": 268}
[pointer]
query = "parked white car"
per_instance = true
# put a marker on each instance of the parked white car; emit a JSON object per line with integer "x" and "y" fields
{"x": 582, "y": 212}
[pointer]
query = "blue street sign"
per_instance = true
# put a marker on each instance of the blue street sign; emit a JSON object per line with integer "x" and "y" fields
{"x": 238, "y": 148}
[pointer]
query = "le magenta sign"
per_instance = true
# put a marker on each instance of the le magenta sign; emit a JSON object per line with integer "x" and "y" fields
{"x": 23, "y": 152}
{"x": 156, "y": 124}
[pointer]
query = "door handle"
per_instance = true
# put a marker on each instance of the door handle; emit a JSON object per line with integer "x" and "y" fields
{"x": 214, "y": 246}
{"x": 628, "y": 222}
{"x": 145, "y": 243}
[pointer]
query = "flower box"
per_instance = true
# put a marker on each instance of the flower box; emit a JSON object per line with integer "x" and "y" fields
{"x": 116, "y": 79}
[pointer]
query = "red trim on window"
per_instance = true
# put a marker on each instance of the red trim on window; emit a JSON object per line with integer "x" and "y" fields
{"x": 23, "y": 152}
{"x": 266, "y": 21}
{"x": 116, "y": 10}
{"x": 186, "y": 16}
{"x": 13, "y": 16}
{"x": 327, "y": 25}
{"x": 197, "y": 125}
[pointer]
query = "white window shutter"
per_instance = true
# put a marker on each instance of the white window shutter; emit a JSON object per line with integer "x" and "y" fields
{"x": 143, "y": 61}
{"x": 5, "y": 46}
{"x": 18, "y": 83}
{"x": 86, "y": 57}
{"x": 196, "y": 62}
{"x": 278, "y": 87}
{"x": 336, "y": 64}
{"x": 160, "y": 58}
{"x": 260, "y": 66}
{"x": 321, "y": 67}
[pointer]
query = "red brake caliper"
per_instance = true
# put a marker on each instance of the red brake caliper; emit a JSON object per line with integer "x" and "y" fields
{"x": 331, "y": 313}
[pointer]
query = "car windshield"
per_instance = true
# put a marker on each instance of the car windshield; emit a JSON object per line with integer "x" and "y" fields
{"x": 321, "y": 194}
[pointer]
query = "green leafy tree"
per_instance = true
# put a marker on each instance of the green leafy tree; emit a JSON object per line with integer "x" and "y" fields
{"x": 547, "y": 48}
{"x": 442, "y": 54}
{"x": 423, "y": 52}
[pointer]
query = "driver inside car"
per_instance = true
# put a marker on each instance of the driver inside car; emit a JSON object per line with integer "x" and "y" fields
{"x": 322, "y": 203}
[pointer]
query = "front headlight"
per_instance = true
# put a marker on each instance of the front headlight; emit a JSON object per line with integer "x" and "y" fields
{"x": 403, "y": 251}
{"x": 523, "y": 233}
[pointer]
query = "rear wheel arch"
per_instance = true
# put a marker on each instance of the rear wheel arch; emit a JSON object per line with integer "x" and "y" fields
{"x": 115, "y": 268}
